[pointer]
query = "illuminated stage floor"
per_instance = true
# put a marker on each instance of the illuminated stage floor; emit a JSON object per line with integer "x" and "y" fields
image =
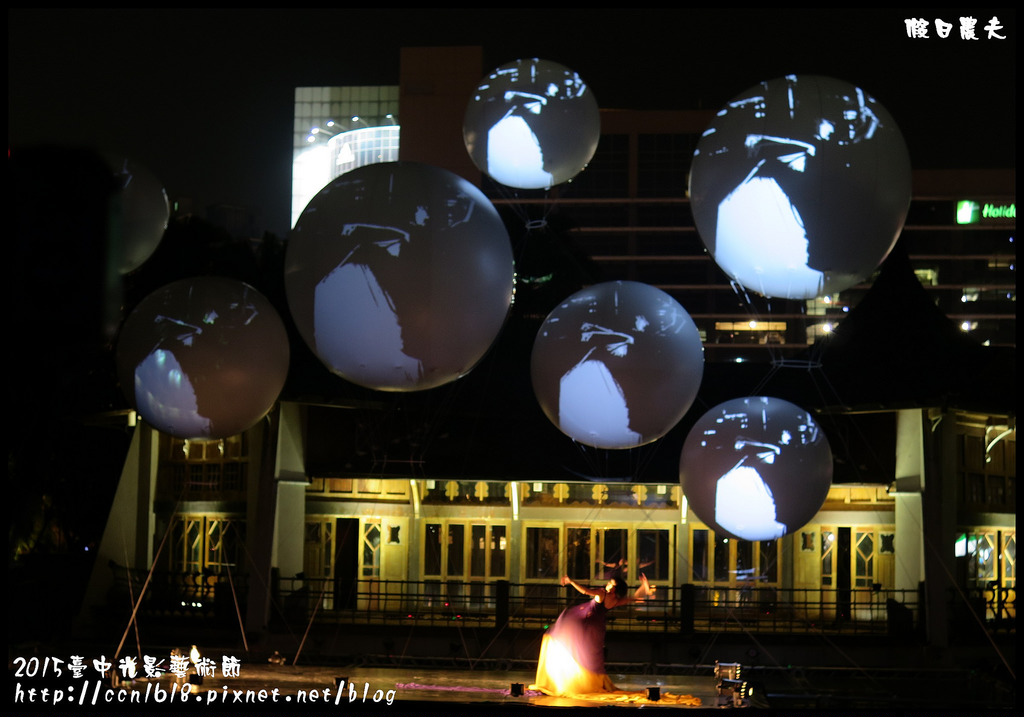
{"x": 428, "y": 689}
{"x": 312, "y": 690}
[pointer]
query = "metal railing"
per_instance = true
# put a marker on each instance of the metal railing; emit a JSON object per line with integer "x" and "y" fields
{"x": 686, "y": 608}
{"x": 673, "y": 609}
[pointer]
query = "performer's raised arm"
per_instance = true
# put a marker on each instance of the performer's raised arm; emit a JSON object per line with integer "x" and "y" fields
{"x": 566, "y": 580}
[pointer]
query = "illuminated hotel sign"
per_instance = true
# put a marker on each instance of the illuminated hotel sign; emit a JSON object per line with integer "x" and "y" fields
{"x": 971, "y": 212}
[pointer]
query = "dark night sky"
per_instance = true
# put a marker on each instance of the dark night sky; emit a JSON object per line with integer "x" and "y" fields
{"x": 204, "y": 97}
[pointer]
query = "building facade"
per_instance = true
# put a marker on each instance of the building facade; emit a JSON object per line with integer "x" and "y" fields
{"x": 390, "y": 535}
{"x": 398, "y": 547}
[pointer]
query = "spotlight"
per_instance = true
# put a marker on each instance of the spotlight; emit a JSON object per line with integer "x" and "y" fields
{"x": 734, "y": 692}
{"x": 741, "y": 696}
{"x": 730, "y": 688}
{"x": 727, "y": 670}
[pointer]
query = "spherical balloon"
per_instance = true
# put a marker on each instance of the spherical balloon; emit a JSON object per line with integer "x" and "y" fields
{"x": 800, "y": 187}
{"x": 141, "y": 212}
{"x": 532, "y": 124}
{"x": 756, "y": 468}
{"x": 617, "y": 364}
{"x": 399, "y": 276}
{"x": 203, "y": 358}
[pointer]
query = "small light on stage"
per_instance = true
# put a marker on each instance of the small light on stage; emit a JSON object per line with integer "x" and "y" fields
{"x": 516, "y": 689}
{"x": 195, "y": 678}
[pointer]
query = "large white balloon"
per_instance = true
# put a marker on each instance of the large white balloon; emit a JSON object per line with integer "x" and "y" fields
{"x": 617, "y": 365}
{"x": 532, "y": 124}
{"x": 800, "y": 186}
{"x": 139, "y": 213}
{"x": 203, "y": 358}
{"x": 756, "y": 468}
{"x": 399, "y": 276}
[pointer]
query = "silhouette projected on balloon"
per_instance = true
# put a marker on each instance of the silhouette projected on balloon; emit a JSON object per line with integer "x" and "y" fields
{"x": 399, "y": 276}
{"x": 800, "y": 187}
{"x": 204, "y": 357}
{"x": 756, "y": 468}
{"x": 617, "y": 364}
{"x": 532, "y": 124}
{"x": 141, "y": 212}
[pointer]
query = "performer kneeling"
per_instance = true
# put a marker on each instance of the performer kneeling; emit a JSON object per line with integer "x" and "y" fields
{"x": 572, "y": 650}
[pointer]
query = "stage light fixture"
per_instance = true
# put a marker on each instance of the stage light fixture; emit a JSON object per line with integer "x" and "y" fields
{"x": 727, "y": 670}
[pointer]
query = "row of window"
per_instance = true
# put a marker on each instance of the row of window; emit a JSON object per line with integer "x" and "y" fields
{"x": 468, "y": 557}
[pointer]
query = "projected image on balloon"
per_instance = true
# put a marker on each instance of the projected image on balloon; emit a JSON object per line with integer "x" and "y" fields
{"x": 203, "y": 358}
{"x": 532, "y": 124}
{"x": 399, "y": 276}
{"x": 756, "y": 468}
{"x": 800, "y": 186}
{"x": 617, "y": 364}
{"x": 140, "y": 212}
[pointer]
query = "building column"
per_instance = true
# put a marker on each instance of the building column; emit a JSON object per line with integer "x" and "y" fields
{"x": 516, "y": 547}
{"x": 127, "y": 540}
{"x": 260, "y": 522}
{"x": 939, "y": 522}
{"x": 909, "y": 480}
{"x": 290, "y": 528}
{"x": 290, "y": 476}
{"x": 415, "y": 550}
